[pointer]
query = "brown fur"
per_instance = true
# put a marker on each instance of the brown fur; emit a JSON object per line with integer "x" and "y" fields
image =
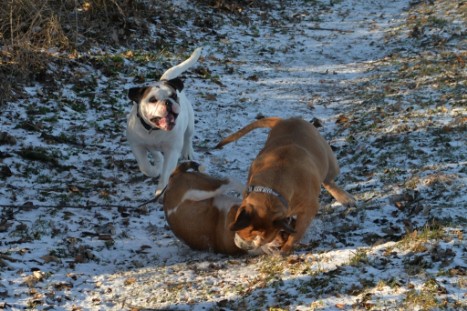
{"x": 201, "y": 218}
{"x": 295, "y": 161}
{"x": 200, "y": 224}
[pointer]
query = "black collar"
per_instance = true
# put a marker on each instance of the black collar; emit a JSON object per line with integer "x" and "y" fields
{"x": 268, "y": 191}
{"x": 147, "y": 126}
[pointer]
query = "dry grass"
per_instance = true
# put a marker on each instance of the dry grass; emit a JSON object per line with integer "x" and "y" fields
{"x": 36, "y": 33}
{"x": 33, "y": 32}
{"x": 44, "y": 24}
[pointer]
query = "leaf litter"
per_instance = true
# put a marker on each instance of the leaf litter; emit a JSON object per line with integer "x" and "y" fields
{"x": 386, "y": 82}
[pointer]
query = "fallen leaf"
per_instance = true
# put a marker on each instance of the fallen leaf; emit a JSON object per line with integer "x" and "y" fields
{"x": 73, "y": 189}
{"x": 210, "y": 96}
{"x": 63, "y": 286}
{"x": 105, "y": 237}
{"x": 460, "y": 60}
{"x": 317, "y": 122}
{"x": 342, "y": 119}
{"x": 129, "y": 281}
{"x": 49, "y": 258}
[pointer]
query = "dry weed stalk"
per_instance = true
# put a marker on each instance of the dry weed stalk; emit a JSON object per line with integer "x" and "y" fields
{"x": 31, "y": 29}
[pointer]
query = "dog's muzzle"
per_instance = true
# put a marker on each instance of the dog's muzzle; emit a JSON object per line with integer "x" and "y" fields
{"x": 167, "y": 122}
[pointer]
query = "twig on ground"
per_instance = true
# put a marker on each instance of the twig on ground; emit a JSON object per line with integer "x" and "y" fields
{"x": 331, "y": 29}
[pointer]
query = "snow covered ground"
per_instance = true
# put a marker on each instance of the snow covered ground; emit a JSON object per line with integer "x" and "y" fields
{"x": 385, "y": 80}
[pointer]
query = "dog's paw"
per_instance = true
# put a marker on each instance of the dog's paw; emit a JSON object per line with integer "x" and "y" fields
{"x": 159, "y": 193}
{"x": 151, "y": 173}
{"x": 284, "y": 252}
{"x": 188, "y": 155}
{"x": 349, "y": 201}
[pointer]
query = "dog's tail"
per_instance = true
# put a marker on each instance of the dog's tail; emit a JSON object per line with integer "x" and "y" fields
{"x": 261, "y": 123}
{"x": 175, "y": 71}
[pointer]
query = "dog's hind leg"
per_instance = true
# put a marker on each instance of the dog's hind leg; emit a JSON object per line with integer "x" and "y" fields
{"x": 187, "y": 150}
{"x": 200, "y": 195}
{"x": 339, "y": 194}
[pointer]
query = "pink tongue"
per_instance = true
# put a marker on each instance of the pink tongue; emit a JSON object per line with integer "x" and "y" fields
{"x": 167, "y": 123}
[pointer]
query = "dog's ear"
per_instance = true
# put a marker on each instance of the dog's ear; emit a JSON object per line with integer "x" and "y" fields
{"x": 284, "y": 224}
{"x": 136, "y": 93}
{"x": 176, "y": 83}
{"x": 242, "y": 221}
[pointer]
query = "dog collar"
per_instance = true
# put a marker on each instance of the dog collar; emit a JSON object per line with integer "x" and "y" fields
{"x": 147, "y": 126}
{"x": 268, "y": 191}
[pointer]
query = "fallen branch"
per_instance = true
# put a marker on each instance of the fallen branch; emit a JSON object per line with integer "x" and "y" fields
{"x": 331, "y": 29}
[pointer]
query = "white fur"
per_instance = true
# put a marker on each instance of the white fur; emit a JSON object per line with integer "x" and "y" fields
{"x": 180, "y": 68}
{"x": 166, "y": 147}
{"x": 220, "y": 200}
{"x": 248, "y": 245}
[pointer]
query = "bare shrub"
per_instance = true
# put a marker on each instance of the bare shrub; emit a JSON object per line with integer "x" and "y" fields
{"x": 31, "y": 31}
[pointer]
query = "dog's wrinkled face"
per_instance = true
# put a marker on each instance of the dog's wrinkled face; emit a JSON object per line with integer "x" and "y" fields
{"x": 158, "y": 104}
{"x": 254, "y": 228}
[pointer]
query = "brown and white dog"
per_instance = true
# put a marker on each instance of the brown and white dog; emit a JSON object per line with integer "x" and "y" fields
{"x": 199, "y": 211}
{"x": 284, "y": 183}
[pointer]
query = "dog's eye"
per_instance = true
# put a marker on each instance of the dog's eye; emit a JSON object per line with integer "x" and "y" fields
{"x": 153, "y": 99}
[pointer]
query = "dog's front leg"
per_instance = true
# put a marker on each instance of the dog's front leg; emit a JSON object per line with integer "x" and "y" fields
{"x": 169, "y": 165}
{"x": 141, "y": 156}
{"x": 303, "y": 220}
{"x": 158, "y": 160}
{"x": 291, "y": 240}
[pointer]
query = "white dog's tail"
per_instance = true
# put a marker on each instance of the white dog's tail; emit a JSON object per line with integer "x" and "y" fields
{"x": 175, "y": 71}
{"x": 261, "y": 123}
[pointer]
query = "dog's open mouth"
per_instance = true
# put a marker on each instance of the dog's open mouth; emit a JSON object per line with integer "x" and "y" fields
{"x": 166, "y": 123}
{"x": 161, "y": 114}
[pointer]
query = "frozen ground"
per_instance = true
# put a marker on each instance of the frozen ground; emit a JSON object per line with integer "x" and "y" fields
{"x": 385, "y": 80}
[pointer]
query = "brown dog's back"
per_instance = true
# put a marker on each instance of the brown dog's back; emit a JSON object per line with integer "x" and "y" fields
{"x": 298, "y": 133}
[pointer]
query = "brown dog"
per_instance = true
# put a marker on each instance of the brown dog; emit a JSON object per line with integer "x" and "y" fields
{"x": 199, "y": 211}
{"x": 284, "y": 183}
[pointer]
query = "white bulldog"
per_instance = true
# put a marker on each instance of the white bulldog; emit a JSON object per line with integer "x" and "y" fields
{"x": 161, "y": 122}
